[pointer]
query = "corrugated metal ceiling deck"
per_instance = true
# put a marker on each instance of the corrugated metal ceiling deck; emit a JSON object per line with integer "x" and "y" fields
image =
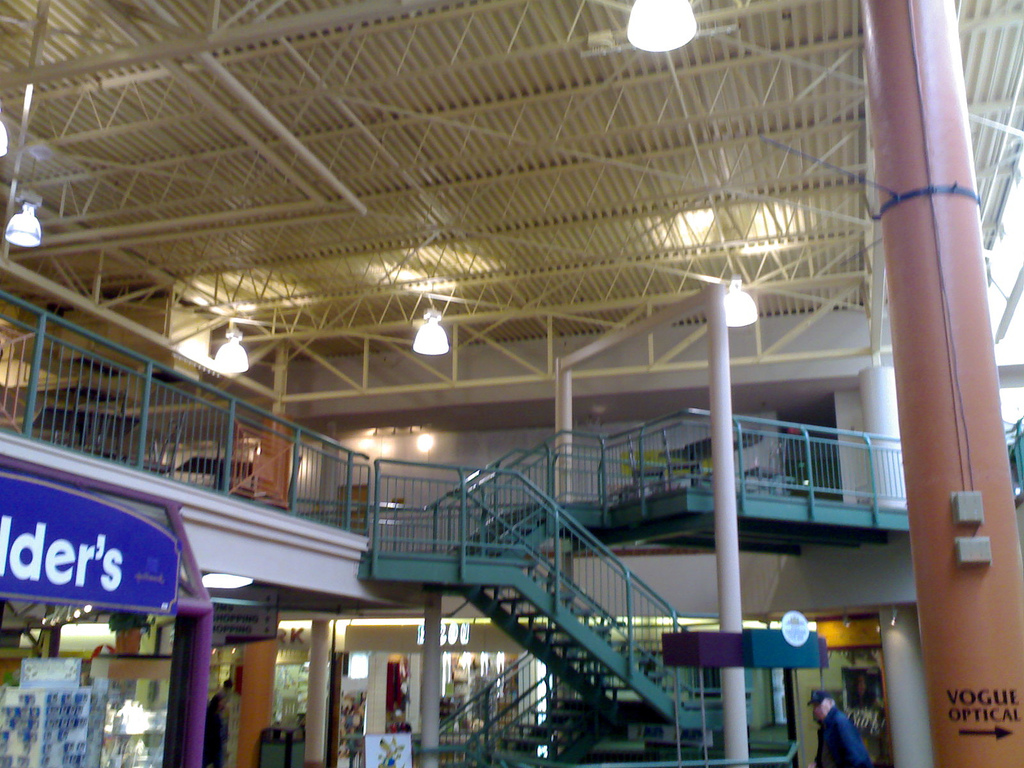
{"x": 521, "y": 166}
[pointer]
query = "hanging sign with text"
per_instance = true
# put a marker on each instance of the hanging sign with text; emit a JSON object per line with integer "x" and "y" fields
{"x": 61, "y": 545}
{"x": 243, "y": 621}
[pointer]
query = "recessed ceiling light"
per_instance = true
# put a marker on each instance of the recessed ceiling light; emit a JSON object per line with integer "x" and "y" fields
{"x": 225, "y": 581}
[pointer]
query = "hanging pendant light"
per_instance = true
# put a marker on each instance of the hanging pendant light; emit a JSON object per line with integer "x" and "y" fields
{"x": 431, "y": 338}
{"x": 231, "y": 357}
{"x": 23, "y": 229}
{"x": 740, "y": 309}
{"x": 661, "y": 25}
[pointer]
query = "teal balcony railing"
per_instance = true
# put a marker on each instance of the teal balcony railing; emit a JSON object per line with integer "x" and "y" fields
{"x": 1015, "y": 446}
{"x": 64, "y": 385}
{"x": 774, "y": 459}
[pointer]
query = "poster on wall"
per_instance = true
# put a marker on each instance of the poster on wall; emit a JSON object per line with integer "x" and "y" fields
{"x": 389, "y": 750}
{"x": 863, "y": 699}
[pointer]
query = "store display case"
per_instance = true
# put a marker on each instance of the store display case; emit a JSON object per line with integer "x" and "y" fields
{"x": 133, "y": 692}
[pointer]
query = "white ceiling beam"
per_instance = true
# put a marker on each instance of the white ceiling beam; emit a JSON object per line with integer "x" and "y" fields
{"x": 688, "y": 306}
{"x": 223, "y": 114}
{"x": 279, "y": 129}
{"x": 368, "y": 11}
{"x": 579, "y": 374}
{"x": 807, "y": 322}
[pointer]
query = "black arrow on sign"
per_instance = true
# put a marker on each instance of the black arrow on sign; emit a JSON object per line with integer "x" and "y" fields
{"x": 997, "y": 732}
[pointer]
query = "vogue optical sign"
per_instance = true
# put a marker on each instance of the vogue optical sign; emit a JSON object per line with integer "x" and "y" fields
{"x": 60, "y": 545}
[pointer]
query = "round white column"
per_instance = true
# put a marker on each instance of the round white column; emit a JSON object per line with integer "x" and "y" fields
{"x": 430, "y": 682}
{"x": 881, "y": 417}
{"x": 878, "y": 399}
{"x": 727, "y": 547}
{"x": 316, "y": 695}
{"x": 563, "y": 429}
{"x": 906, "y": 695}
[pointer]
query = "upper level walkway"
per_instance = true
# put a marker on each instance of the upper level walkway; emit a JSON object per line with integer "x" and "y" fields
{"x": 795, "y": 483}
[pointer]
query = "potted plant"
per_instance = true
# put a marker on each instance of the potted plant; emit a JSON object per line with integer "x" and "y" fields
{"x": 128, "y": 629}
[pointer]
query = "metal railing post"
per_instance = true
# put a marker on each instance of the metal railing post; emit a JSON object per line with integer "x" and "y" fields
{"x": 740, "y": 477}
{"x": 641, "y": 479}
{"x": 293, "y": 485}
{"x": 556, "y": 592}
{"x": 631, "y": 625}
{"x": 229, "y": 450}
{"x": 810, "y": 471}
{"x": 871, "y": 474}
{"x": 347, "y": 512}
{"x": 147, "y": 387}
{"x": 551, "y": 470}
{"x": 33, "y": 377}
{"x": 463, "y": 522}
{"x": 373, "y": 513}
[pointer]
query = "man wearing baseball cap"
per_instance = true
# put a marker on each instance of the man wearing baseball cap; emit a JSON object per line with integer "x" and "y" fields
{"x": 839, "y": 743}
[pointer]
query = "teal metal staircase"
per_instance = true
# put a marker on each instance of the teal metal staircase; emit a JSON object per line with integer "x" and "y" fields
{"x": 495, "y": 538}
{"x": 525, "y": 541}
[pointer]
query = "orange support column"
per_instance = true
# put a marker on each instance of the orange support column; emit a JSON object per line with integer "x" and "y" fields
{"x": 971, "y": 613}
{"x": 257, "y": 699}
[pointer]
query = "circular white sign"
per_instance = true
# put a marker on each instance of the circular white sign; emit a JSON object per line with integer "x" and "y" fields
{"x": 794, "y": 628}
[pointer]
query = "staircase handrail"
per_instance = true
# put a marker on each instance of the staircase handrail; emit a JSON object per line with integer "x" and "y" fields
{"x": 484, "y": 694}
{"x": 475, "y": 477}
{"x": 632, "y": 593}
{"x": 516, "y": 720}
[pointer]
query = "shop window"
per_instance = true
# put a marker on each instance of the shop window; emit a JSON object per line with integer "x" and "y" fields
{"x": 359, "y": 666}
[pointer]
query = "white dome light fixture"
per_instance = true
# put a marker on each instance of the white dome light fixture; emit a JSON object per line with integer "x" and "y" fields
{"x": 740, "y": 309}
{"x": 225, "y": 581}
{"x": 431, "y": 338}
{"x": 4, "y": 139}
{"x": 661, "y": 25}
{"x": 24, "y": 229}
{"x": 231, "y": 357}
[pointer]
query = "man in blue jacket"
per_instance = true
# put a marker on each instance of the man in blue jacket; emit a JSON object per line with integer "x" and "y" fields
{"x": 839, "y": 743}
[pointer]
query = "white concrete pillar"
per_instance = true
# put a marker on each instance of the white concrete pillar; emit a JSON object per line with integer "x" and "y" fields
{"x": 727, "y": 547}
{"x": 563, "y": 427}
{"x": 878, "y": 399}
{"x": 881, "y": 417}
{"x": 430, "y": 682}
{"x": 906, "y": 694}
{"x": 563, "y": 397}
{"x": 316, "y": 694}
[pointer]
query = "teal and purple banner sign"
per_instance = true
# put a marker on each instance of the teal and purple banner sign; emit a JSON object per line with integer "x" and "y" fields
{"x": 60, "y": 545}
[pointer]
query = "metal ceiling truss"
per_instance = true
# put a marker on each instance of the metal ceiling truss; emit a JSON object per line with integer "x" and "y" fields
{"x": 325, "y": 171}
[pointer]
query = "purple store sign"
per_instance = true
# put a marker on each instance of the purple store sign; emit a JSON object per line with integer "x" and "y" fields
{"x": 60, "y": 545}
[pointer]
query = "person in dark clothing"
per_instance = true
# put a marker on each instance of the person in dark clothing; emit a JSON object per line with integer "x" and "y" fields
{"x": 215, "y": 734}
{"x": 839, "y": 743}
